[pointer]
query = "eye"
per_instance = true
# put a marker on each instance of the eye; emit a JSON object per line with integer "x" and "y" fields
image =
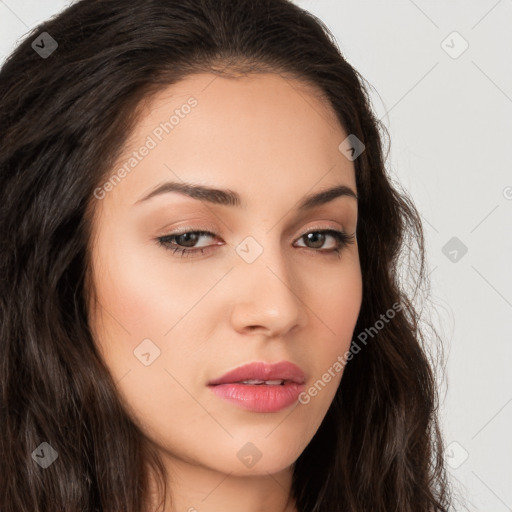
{"x": 185, "y": 243}
{"x": 318, "y": 237}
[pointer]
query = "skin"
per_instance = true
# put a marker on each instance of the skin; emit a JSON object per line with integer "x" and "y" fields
{"x": 273, "y": 141}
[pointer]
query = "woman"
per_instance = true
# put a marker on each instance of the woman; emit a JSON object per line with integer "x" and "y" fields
{"x": 271, "y": 359}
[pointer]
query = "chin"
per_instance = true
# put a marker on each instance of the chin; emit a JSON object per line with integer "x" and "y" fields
{"x": 262, "y": 458}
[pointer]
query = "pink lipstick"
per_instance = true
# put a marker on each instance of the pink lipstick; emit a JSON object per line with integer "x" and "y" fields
{"x": 261, "y": 387}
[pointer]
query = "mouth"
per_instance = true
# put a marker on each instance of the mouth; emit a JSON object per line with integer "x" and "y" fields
{"x": 261, "y": 387}
{"x": 257, "y": 382}
{"x": 260, "y": 374}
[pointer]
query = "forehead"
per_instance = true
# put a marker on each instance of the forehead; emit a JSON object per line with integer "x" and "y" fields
{"x": 243, "y": 133}
{"x": 237, "y": 91}
{"x": 262, "y": 109}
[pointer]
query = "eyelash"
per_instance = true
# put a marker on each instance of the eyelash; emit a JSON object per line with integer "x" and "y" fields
{"x": 343, "y": 239}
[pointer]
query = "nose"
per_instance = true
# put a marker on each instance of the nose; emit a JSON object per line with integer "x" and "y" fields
{"x": 267, "y": 296}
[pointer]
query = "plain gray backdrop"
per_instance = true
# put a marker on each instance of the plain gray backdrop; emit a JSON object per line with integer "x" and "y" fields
{"x": 441, "y": 80}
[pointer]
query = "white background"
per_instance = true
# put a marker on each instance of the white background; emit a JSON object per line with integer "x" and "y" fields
{"x": 449, "y": 115}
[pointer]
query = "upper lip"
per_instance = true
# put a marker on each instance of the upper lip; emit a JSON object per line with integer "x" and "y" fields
{"x": 283, "y": 370}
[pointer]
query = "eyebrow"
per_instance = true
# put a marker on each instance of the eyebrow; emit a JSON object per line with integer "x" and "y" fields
{"x": 230, "y": 198}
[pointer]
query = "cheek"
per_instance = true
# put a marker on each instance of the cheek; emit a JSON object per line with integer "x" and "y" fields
{"x": 335, "y": 304}
{"x": 143, "y": 292}
{"x": 128, "y": 309}
{"x": 139, "y": 305}
{"x": 335, "y": 301}
{"x": 147, "y": 305}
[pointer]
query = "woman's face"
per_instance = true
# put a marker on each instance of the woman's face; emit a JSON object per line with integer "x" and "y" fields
{"x": 256, "y": 290}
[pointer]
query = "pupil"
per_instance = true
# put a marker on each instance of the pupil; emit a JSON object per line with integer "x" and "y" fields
{"x": 318, "y": 236}
{"x": 190, "y": 236}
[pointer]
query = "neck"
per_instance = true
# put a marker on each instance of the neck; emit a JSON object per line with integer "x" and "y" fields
{"x": 194, "y": 488}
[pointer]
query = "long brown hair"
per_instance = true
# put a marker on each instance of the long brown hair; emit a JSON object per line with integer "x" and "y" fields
{"x": 64, "y": 118}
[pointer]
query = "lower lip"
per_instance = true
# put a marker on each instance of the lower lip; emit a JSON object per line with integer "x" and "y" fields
{"x": 259, "y": 398}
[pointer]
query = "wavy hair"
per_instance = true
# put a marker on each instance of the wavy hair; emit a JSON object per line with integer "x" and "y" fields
{"x": 63, "y": 122}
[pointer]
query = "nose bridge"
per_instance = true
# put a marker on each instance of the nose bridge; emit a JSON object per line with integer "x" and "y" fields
{"x": 267, "y": 290}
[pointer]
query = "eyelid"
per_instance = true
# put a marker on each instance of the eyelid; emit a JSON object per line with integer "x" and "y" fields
{"x": 212, "y": 230}
{"x": 187, "y": 229}
{"x": 321, "y": 227}
{"x": 342, "y": 237}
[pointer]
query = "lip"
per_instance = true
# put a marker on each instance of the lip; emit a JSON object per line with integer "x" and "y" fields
{"x": 261, "y": 397}
{"x": 283, "y": 370}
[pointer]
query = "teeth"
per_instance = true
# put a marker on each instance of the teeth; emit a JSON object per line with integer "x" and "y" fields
{"x": 274, "y": 382}
{"x": 267, "y": 382}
